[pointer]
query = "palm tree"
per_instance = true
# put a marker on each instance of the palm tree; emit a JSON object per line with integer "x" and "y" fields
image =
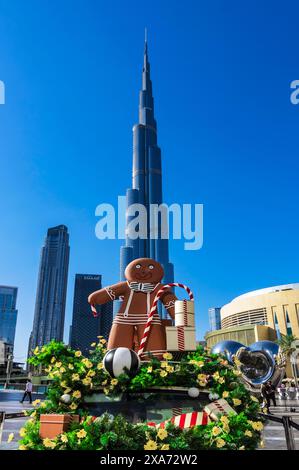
{"x": 287, "y": 348}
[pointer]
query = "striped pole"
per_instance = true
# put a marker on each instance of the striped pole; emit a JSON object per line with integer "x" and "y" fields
{"x": 154, "y": 309}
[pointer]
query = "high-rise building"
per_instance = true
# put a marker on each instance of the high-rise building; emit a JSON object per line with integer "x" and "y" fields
{"x": 49, "y": 312}
{"x": 146, "y": 183}
{"x": 215, "y": 318}
{"x": 8, "y": 313}
{"x": 85, "y": 328}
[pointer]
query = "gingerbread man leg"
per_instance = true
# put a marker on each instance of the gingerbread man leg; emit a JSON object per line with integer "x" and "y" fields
{"x": 156, "y": 341}
{"x": 121, "y": 336}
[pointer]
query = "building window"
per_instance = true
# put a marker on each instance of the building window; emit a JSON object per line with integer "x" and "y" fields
{"x": 288, "y": 323}
{"x": 276, "y": 325}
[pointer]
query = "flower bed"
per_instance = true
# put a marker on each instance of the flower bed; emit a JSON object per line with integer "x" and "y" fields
{"x": 76, "y": 377}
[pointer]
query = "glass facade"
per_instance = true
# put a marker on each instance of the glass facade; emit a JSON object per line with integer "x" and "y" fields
{"x": 215, "y": 318}
{"x": 8, "y": 313}
{"x": 49, "y": 312}
{"x": 85, "y": 328}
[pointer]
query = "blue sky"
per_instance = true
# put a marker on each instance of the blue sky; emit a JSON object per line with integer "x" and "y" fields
{"x": 229, "y": 136}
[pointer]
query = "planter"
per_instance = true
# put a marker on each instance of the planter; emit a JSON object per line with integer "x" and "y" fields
{"x": 51, "y": 425}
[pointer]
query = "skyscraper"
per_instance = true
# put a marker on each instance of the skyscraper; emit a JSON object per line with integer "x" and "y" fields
{"x": 8, "y": 314}
{"x": 146, "y": 181}
{"x": 49, "y": 312}
{"x": 215, "y": 318}
{"x": 85, "y": 328}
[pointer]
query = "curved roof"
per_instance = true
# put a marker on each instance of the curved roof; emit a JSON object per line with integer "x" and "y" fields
{"x": 268, "y": 290}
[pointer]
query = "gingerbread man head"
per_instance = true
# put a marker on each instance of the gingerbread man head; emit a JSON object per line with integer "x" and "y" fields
{"x": 144, "y": 270}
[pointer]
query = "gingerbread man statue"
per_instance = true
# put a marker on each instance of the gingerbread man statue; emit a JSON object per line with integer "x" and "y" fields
{"x": 143, "y": 281}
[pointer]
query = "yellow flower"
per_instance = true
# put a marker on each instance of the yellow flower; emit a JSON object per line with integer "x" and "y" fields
{"x": 170, "y": 369}
{"x": 75, "y": 377}
{"x": 64, "y": 438}
{"x": 22, "y": 447}
{"x": 202, "y": 377}
{"x": 64, "y": 384}
{"x": 114, "y": 382}
{"x": 262, "y": 445}
{"x": 200, "y": 363}
{"x": 10, "y": 437}
{"x": 93, "y": 345}
{"x": 91, "y": 373}
{"x": 36, "y": 350}
{"x": 254, "y": 398}
{"x": 33, "y": 414}
{"x": 237, "y": 362}
{"x": 150, "y": 369}
{"x": 67, "y": 390}
{"x": 58, "y": 364}
{"x": 162, "y": 434}
{"x": 22, "y": 432}
{"x": 35, "y": 402}
{"x": 106, "y": 391}
{"x": 103, "y": 341}
{"x": 150, "y": 445}
{"x": 62, "y": 370}
{"x": 216, "y": 431}
{"x": 224, "y": 363}
{"x": 165, "y": 447}
{"x": 100, "y": 336}
{"x": 221, "y": 380}
{"x": 100, "y": 366}
{"x": 86, "y": 381}
{"x": 164, "y": 364}
{"x": 53, "y": 359}
{"x": 226, "y": 428}
{"x": 256, "y": 425}
{"x": 242, "y": 448}
{"x": 104, "y": 382}
{"x": 236, "y": 401}
{"x": 78, "y": 353}
{"x": 225, "y": 394}
{"x": 87, "y": 363}
{"x": 73, "y": 406}
{"x": 224, "y": 419}
{"x": 71, "y": 367}
{"x": 163, "y": 373}
{"x": 202, "y": 384}
{"x": 49, "y": 443}
{"x": 77, "y": 394}
{"x": 220, "y": 442}
{"x": 81, "y": 434}
{"x": 192, "y": 361}
{"x": 248, "y": 433}
{"x": 216, "y": 375}
{"x": 237, "y": 372}
{"x": 43, "y": 404}
{"x": 167, "y": 356}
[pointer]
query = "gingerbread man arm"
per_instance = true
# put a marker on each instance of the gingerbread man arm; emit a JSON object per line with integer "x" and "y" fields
{"x": 107, "y": 294}
{"x": 168, "y": 299}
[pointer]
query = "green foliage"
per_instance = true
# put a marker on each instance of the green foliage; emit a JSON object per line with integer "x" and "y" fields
{"x": 77, "y": 376}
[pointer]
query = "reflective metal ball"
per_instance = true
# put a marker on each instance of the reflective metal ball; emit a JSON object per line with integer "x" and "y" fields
{"x": 227, "y": 348}
{"x": 269, "y": 346}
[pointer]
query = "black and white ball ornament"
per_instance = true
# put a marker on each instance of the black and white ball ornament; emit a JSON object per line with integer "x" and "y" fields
{"x": 193, "y": 392}
{"x": 116, "y": 360}
{"x": 66, "y": 398}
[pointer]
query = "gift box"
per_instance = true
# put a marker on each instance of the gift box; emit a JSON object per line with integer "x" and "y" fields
{"x": 184, "y": 313}
{"x": 51, "y": 425}
{"x": 180, "y": 338}
{"x": 218, "y": 408}
{"x": 186, "y": 420}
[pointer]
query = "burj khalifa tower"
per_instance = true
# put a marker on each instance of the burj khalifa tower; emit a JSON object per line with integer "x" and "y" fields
{"x": 146, "y": 182}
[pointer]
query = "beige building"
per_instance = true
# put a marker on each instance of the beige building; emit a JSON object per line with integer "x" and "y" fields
{"x": 259, "y": 315}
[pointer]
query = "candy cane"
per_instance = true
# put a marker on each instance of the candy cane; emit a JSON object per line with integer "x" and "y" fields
{"x": 94, "y": 311}
{"x": 154, "y": 309}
